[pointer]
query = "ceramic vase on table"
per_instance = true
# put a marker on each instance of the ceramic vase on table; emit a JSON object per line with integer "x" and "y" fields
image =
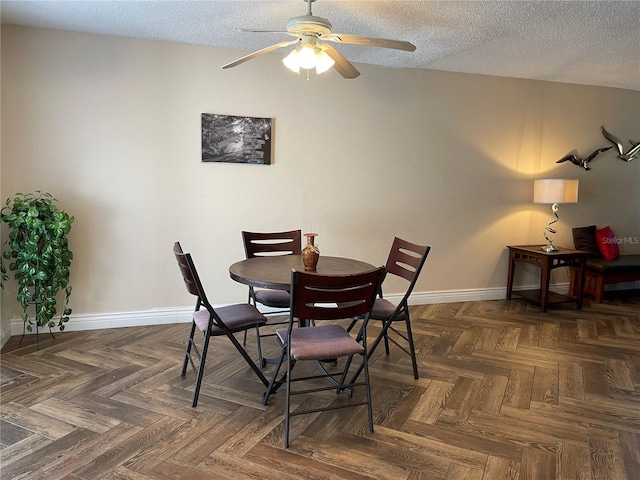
{"x": 310, "y": 253}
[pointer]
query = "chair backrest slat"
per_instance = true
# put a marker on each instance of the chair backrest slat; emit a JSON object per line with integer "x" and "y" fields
{"x": 257, "y": 244}
{"x": 331, "y": 297}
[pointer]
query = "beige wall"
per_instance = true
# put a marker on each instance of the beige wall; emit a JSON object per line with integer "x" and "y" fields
{"x": 111, "y": 127}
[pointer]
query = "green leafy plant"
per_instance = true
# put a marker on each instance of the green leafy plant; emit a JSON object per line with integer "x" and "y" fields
{"x": 37, "y": 250}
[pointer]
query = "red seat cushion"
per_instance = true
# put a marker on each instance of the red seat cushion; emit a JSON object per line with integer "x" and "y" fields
{"x": 607, "y": 243}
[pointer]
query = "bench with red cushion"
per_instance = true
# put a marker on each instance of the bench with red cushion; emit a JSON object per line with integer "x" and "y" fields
{"x": 599, "y": 272}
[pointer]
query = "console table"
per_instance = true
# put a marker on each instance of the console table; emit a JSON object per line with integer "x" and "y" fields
{"x": 546, "y": 262}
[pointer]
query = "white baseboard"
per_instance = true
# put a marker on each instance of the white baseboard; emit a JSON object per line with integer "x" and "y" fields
{"x": 5, "y": 334}
{"x": 159, "y": 316}
{"x": 164, "y": 316}
{"x": 453, "y": 296}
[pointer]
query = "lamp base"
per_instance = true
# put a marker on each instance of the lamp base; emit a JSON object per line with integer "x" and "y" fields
{"x": 549, "y": 247}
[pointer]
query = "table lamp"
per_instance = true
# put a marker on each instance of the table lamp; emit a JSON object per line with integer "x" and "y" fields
{"x": 554, "y": 191}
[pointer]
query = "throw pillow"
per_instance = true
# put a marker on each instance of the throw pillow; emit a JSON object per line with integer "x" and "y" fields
{"x": 607, "y": 243}
{"x": 584, "y": 238}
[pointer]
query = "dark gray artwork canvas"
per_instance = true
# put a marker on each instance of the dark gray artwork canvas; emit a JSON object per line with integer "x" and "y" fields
{"x": 231, "y": 139}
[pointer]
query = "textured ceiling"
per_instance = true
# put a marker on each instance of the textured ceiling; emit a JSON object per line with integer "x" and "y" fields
{"x": 581, "y": 42}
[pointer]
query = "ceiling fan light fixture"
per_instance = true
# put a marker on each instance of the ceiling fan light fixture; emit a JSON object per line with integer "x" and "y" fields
{"x": 310, "y": 53}
{"x": 291, "y": 61}
{"x": 308, "y": 56}
{"x": 323, "y": 61}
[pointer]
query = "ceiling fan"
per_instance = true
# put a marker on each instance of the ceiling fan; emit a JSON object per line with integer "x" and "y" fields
{"x": 311, "y": 53}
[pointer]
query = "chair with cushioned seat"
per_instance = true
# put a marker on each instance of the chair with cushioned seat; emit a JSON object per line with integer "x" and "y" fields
{"x": 405, "y": 261}
{"x": 316, "y": 299}
{"x": 259, "y": 244}
{"x": 213, "y": 322}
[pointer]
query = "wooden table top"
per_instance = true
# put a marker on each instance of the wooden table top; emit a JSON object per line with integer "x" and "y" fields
{"x": 274, "y": 272}
{"x": 538, "y": 249}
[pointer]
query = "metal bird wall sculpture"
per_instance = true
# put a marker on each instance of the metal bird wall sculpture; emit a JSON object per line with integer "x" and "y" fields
{"x": 579, "y": 161}
{"x": 627, "y": 156}
{"x": 632, "y": 153}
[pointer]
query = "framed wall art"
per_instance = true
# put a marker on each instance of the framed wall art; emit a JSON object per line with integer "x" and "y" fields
{"x": 231, "y": 139}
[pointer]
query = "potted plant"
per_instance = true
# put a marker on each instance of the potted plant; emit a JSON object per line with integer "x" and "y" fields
{"x": 37, "y": 250}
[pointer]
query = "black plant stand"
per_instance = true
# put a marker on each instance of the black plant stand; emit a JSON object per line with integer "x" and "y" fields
{"x": 24, "y": 330}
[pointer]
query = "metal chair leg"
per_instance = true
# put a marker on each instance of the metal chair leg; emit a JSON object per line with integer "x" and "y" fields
{"x": 368, "y": 391}
{"x": 287, "y": 408}
{"x": 203, "y": 359}
{"x": 412, "y": 348}
{"x": 274, "y": 384}
{"x": 261, "y": 360}
{"x": 187, "y": 353}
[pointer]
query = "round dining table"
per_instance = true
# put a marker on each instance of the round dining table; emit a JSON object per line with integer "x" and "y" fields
{"x": 274, "y": 272}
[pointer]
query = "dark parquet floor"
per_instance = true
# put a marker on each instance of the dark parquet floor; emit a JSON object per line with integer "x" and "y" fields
{"x": 505, "y": 392}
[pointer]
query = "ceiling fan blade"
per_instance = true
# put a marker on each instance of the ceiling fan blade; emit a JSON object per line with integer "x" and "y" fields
{"x": 255, "y": 54}
{"x": 284, "y": 32}
{"x": 342, "y": 65}
{"x": 371, "y": 42}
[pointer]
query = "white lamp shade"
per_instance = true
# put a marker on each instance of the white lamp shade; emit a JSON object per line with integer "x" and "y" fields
{"x": 551, "y": 190}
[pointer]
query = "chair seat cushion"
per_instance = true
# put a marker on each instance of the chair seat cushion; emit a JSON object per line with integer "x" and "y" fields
{"x": 383, "y": 309}
{"x": 273, "y": 298}
{"x": 235, "y": 317}
{"x": 320, "y": 342}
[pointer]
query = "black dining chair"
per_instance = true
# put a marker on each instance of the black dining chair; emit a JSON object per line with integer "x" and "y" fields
{"x": 260, "y": 244}
{"x": 213, "y": 322}
{"x": 405, "y": 261}
{"x": 316, "y": 300}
